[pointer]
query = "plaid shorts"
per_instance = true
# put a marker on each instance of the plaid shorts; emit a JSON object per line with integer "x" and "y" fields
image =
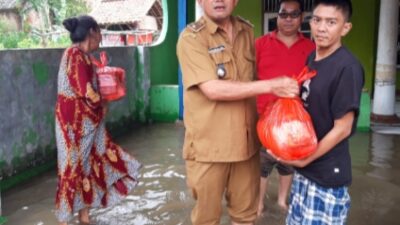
{"x": 311, "y": 204}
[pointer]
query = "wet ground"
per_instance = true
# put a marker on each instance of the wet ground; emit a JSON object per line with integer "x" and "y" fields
{"x": 162, "y": 198}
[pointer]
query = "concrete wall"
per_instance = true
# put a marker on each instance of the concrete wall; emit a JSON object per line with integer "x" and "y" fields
{"x": 252, "y": 11}
{"x": 362, "y": 39}
{"x": 28, "y": 80}
{"x": 163, "y": 57}
{"x": 164, "y": 103}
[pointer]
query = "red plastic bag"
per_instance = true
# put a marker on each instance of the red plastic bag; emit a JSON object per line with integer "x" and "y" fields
{"x": 285, "y": 127}
{"x": 111, "y": 79}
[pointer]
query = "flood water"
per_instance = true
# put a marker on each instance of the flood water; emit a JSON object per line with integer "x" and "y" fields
{"x": 162, "y": 198}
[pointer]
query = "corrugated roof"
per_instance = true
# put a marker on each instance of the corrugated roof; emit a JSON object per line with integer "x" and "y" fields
{"x": 108, "y": 12}
{"x": 8, "y": 4}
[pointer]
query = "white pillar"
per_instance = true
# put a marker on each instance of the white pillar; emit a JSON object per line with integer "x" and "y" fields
{"x": 199, "y": 11}
{"x": 385, "y": 74}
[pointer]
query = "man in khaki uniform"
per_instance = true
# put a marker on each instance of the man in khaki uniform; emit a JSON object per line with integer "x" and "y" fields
{"x": 216, "y": 55}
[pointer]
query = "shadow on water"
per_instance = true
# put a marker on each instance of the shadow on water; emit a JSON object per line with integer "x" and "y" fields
{"x": 162, "y": 197}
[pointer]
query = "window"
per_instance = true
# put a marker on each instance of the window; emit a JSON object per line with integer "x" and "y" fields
{"x": 271, "y": 8}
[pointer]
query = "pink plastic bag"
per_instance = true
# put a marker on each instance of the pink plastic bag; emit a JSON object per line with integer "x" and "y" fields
{"x": 111, "y": 79}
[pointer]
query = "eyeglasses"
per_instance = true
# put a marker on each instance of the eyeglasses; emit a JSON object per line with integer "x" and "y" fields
{"x": 293, "y": 15}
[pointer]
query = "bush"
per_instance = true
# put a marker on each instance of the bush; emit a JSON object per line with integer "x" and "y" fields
{"x": 29, "y": 43}
{"x": 11, "y": 39}
{"x": 61, "y": 42}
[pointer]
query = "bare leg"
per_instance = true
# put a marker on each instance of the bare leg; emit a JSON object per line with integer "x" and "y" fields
{"x": 263, "y": 191}
{"x": 284, "y": 186}
{"x": 84, "y": 216}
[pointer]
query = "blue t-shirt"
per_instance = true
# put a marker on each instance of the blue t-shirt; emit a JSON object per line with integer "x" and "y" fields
{"x": 333, "y": 92}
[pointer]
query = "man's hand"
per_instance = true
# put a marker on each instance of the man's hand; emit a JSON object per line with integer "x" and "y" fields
{"x": 296, "y": 163}
{"x": 341, "y": 130}
{"x": 284, "y": 87}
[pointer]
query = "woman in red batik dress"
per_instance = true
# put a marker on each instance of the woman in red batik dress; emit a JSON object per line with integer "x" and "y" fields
{"x": 92, "y": 170}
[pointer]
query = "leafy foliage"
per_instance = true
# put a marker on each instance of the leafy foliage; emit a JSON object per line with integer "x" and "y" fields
{"x": 11, "y": 39}
{"x": 51, "y": 34}
{"x": 75, "y": 8}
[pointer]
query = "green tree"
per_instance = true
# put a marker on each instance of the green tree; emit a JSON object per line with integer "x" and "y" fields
{"x": 54, "y": 12}
{"x": 42, "y": 7}
{"x": 51, "y": 13}
{"x": 76, "y": 7}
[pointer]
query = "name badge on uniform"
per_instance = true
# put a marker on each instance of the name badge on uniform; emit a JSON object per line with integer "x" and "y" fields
{"x": 217, "y": 49}
{"x": 221, "y": 71}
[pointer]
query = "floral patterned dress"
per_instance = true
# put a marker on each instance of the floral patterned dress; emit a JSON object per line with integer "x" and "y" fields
{"x": 92, "y": 170}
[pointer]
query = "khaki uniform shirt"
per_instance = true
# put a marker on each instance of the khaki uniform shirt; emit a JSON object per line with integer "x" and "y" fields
{"x": 217, "y": 131}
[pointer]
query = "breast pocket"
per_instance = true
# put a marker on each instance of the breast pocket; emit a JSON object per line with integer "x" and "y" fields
{"x": 247, "y": 67}
{"x": 224, "y": 67}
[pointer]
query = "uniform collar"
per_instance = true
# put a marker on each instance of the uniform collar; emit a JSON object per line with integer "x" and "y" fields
{"x": 212, "y": 27}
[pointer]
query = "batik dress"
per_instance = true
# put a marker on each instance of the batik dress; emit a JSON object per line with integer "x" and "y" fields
{"x": 92, "y": 170}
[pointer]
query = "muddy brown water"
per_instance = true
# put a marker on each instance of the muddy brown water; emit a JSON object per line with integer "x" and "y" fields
{"x": 162, "y": 198}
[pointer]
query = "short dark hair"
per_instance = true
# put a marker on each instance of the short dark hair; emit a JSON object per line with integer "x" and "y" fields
{"x": 344, "y": 5}
{"x": 79, "y": 27}
{"x": 301, "y": 3}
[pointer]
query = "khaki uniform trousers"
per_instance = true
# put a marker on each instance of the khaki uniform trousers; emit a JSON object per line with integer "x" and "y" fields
{"x": 239, "y": 181}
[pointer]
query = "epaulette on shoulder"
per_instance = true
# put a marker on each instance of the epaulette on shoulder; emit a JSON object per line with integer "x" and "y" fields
{"x": 197, "y": 26}
{"x": 245, "y": 21}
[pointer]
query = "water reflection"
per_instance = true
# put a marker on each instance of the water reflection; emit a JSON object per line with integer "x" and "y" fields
{"x": 383, "y": 150}
{"x": 162, "y": 197}
{"x": 375, "y": 190}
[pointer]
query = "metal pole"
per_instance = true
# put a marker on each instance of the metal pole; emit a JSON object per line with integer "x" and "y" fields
{"x": 182, "y": 21}
{"x": 385, "y": 74}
